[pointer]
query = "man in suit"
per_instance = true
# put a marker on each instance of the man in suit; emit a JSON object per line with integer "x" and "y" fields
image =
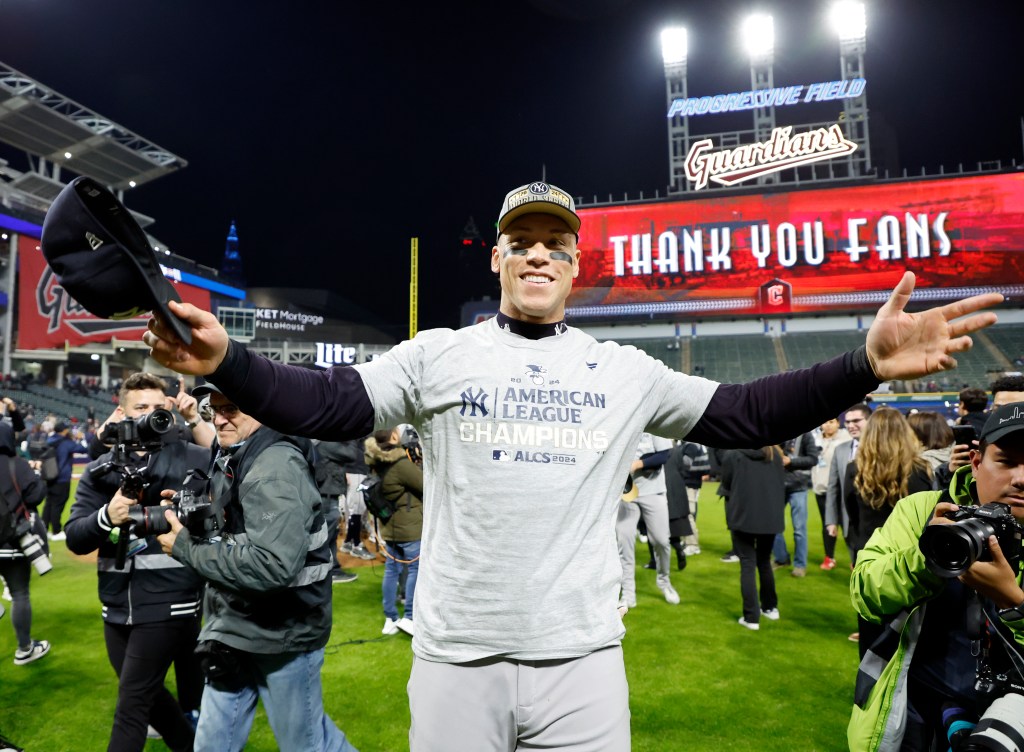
{"x": 836, "y": 515}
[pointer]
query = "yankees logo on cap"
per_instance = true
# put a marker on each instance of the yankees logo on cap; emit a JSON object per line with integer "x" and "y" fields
{"x": 539, "y": 198}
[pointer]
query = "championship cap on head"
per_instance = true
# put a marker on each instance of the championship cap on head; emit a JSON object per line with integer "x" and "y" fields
{"x": 1003, "y": 421}
{"x": 539, "y": 198}
{"x": 103, "y": 259}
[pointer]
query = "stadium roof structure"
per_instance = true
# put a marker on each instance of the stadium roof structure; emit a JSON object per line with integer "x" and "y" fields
{"x": 47, "y": 125}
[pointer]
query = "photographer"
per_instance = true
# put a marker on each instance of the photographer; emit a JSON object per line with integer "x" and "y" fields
{"x": 22, "y": 491}
{"x": 924, "y": 665}
{"x": 199, "y": 430}
{"x": 268, "y": 594}
{"x": 151, "y": 605}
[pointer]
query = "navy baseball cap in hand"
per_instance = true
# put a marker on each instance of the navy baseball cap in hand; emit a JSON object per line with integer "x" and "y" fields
{"x": 103, "y": 259}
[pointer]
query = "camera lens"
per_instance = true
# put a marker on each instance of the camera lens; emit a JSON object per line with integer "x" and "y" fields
{"x": 160, "y": 421}
{"x": 950, "y": 550}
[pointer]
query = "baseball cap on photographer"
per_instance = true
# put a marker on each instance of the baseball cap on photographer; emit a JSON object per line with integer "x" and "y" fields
{"x": 539, "y": 198}
{"x": 1003, "y": 421}
{"x": 202, "y": 390}
{"x": 103, "y": 259}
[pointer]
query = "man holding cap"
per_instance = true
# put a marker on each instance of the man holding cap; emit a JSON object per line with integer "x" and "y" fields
{"x": 528, "y": 428}
{"x": 927, "y": 661}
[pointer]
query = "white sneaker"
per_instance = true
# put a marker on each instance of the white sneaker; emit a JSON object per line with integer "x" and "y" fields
{"x": 406, "y": 625}
{"x": 7, "y": 594}
{"x": 34, "y": 652}
{"x": 390, "y": 627}
{"x": 641, "y": 537}
{"x": 669, "y": 592}
{"x": 771, "y": 613}
{"x": 753, "y": 625}
{"x": 58, "y": 536}
{"x": 691, "y": 550}
{"x": 152, "y": 733}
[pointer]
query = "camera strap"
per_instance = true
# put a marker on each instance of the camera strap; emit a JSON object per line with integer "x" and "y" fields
{"x": 19, "y": 508}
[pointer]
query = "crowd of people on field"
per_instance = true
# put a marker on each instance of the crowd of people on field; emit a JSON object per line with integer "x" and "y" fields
{"x": 535, "y": 439}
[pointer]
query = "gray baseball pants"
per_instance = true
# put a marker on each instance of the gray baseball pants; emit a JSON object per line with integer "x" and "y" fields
{"x": 503, "y": 705}
{"x": 655, "y": 510}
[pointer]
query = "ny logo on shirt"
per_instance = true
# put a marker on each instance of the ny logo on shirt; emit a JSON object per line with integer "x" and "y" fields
{"x": 474, "y": 402}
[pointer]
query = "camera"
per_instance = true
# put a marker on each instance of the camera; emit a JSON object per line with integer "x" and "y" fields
{"x": 195, "y": 512}
{"x": 949, "y": 550}
{"x": 32, "y": 546}
{"x": 1000, "y": 729}
{"x": 144, "y": 432}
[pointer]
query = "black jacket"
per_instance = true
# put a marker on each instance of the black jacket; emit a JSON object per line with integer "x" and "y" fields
{"x": 756, "y": 491}
{"x": 152, "y": 586}
{"x": 803, "y": 454}
{"x": 330, "y": 475}
{"x": 676, "y": 471}
{"x": 32, "y": 488}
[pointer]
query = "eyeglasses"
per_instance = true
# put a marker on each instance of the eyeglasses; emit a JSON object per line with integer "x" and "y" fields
{"x": 228, "y": 411}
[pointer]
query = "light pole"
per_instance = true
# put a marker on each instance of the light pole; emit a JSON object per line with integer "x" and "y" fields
{"x": 849, "y": 23}
{"x": 758, "y": 33}
{"x": 674, "y": 48}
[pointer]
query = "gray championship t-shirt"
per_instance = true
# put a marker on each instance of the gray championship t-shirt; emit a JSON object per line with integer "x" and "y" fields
{"x": 526, "y": 446}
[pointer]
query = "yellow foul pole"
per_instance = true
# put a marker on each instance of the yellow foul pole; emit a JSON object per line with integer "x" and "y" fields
{"x": 414, "y": 286}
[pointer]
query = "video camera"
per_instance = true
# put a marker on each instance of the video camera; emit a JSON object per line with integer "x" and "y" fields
{"x": 949, "y": 550}
{"x": 143, "y": 433}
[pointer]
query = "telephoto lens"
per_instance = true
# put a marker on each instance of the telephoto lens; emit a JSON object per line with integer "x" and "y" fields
{"x": 1001, "y": 728}
{"x": 32, "y": 546}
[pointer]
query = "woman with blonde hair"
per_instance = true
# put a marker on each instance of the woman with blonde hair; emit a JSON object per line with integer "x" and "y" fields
{"x": 887, "y": 467}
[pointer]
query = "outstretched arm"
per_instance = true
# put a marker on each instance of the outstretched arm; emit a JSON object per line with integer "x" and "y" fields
{"x": 900, "y": 345}
{"x": 905, "y": 345}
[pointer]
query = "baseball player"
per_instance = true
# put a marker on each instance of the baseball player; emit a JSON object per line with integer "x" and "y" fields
{"x": 528, "y": 427}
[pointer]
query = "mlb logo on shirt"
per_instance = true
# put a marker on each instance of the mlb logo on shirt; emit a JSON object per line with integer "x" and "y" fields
{"x": 500, "y": 455}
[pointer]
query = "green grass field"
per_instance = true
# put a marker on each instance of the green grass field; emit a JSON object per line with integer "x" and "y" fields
{"x": 698, "y": 681}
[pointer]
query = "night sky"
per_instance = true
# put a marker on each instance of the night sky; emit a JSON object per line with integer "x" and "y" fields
{"x": 332, "y": 132}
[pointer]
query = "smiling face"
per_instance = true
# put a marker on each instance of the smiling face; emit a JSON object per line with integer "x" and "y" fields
{"x": 536, "y": 259}
{"x": 999, "y": 473}
{"x": 854, "y": 421}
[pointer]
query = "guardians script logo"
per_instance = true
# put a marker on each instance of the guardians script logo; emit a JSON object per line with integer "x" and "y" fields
{"x": 782, "y": 151}
{"x": 58, "y": 308}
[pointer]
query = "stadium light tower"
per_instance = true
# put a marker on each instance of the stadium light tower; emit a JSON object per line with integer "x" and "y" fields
{"x": 850, "y": 25}
{"x": 758, "y": 32}
{"x": 674, "y": 50}
{"x": 848, "y": 20}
